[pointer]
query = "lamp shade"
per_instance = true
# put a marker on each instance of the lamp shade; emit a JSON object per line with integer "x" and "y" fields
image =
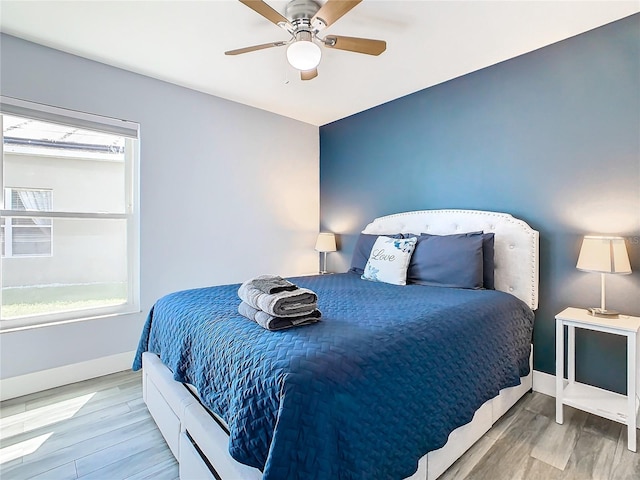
{"x": 326, "y": 242}
{"x": 604, "y": 255}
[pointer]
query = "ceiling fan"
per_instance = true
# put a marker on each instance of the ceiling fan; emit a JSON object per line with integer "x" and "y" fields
{"x": 304, "y": 20}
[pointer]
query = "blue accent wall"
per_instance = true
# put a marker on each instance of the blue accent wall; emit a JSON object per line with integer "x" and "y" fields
{"x": 552, "y": 137}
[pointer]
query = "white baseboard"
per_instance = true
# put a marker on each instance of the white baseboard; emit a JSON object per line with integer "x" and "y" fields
{"x": 56, "y": 377}
{"x": 544, "y": 383}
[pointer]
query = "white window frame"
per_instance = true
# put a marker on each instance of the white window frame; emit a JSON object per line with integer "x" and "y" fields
{"x": 9, "y": 227}
{"x": 130, "y": 130}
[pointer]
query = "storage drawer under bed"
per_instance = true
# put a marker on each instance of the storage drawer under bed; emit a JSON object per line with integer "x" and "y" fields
{"x": 199, "y": 427}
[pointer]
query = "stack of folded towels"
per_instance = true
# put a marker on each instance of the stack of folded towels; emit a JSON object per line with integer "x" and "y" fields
{"x": 275, "y": 303}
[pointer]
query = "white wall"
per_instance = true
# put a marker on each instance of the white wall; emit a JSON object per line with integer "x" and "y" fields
{"x": 227, "y": 191}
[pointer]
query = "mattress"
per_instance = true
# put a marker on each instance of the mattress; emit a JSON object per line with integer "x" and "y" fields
{"x": 383, "y": 379}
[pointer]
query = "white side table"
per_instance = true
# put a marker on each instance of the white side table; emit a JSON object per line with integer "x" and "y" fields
{"x": 620, "y": 408}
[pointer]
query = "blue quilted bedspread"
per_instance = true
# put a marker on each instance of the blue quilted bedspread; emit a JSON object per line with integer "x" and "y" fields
{"x": 383, "y": 379}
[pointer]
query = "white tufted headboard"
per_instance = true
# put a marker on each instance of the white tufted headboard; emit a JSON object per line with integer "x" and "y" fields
{"x": 516, "y": 243}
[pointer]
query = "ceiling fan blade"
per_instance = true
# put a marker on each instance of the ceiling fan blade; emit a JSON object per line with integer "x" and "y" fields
{"x": 331, "y": 12}
{"x": 355, "y": 44}
{"x": 266, "y": 11}
{"x": 254, "y": 48}
{"x": 308, "y": 74}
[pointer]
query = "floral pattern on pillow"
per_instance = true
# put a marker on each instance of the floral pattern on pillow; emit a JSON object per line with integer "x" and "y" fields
{"x": 389, "y": 260}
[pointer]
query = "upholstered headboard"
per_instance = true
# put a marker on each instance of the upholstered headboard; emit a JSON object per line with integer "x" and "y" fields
{"x": 516, "y": 243}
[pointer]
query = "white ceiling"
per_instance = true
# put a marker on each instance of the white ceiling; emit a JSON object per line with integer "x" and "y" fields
{"x": 183, "y": 42}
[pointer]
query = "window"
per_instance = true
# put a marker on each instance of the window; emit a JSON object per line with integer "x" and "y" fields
{"x": 26, "y": 236}
{"x": 69, "y": 223}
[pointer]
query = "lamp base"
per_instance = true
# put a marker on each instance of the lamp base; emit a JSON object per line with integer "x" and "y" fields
{"x": 599, "y": 312}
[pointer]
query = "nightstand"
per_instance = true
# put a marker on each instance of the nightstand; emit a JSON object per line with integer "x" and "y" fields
{"x": 620, "y": 408}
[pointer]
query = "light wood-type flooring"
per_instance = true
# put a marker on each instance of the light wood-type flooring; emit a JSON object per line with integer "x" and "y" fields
{"x": 100, "y": 429}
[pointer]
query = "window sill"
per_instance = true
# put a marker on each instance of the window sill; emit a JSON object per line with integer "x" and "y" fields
{"x": 52, "y": 323}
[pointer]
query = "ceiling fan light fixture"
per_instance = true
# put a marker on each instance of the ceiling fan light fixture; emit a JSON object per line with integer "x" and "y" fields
{"x": 304, "y": 54}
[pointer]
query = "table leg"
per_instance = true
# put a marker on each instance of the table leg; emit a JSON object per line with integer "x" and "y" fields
{"x": 571, "y": 353}
{"x": 631, "y": 391}
{"x": 559, "y": 369}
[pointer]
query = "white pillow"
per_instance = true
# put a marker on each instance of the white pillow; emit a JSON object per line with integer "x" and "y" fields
{"x": 389, "y": 260}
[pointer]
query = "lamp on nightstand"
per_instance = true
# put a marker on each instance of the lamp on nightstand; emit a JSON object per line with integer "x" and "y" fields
{"x": 326, "y": 243}
{"x": 603, "y": 255}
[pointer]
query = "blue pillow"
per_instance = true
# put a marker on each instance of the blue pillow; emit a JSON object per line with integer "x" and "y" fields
{"x": 488, "y": 254}
{"x": 448, "y": 261}
{"x": 362, "y": 251}
{"x": 488, "y": 280}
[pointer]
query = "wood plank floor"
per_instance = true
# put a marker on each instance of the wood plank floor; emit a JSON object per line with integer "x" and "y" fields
{"x": 101, "y": 429}
{"x": 96, "y": 429}
{"x": 527, "y": 443}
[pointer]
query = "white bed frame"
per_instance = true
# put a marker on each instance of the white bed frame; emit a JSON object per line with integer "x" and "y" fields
{"x": 199, "y": 439}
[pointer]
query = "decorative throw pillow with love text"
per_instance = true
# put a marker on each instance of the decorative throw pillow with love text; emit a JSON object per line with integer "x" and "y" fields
{"x": 389, "y": 260}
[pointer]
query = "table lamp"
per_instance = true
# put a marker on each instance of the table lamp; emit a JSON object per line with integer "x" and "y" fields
{"x": 605, "y": 255}
{"x": 326, "y": 243}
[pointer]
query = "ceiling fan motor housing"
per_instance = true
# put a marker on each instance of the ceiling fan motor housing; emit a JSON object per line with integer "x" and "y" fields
{"x": 297, "y": 10}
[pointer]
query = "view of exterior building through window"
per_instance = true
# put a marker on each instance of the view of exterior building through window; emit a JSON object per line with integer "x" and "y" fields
{"x": 26, "y": 236}
{"x": 66, "y": 221}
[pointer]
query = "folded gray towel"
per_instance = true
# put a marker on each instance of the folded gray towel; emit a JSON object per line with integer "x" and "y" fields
{"x": 272, "y": 284}
{"x": 301, "y": 301}
{"x": 276, "y": 323}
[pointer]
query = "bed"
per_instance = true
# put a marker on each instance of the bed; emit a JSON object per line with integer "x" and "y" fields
{"x": 394, "y": 382}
